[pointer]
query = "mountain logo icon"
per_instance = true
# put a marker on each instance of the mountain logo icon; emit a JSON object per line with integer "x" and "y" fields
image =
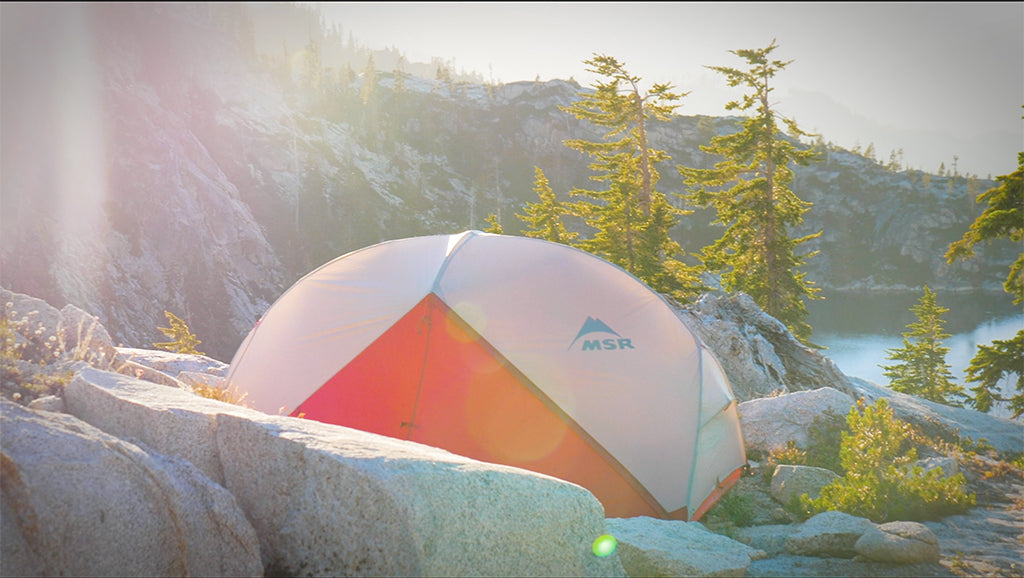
{"x": 594, "y": 325}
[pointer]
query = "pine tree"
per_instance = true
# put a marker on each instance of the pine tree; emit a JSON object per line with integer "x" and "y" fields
{"x": 631, "y": 218}
{"x": 368, "y": 98}
{"x": 921, "y": 367}
{"x": 756, "y": 254}
{"x": 989, "y": 366}
{"x": 312, "y": 69}
{"x": 1003, "y": 218}
{"x": 493, "y": 225}
{"x": 399, "y": 74}
{"x": 545, "y": 216}
{"x": 894, "y": 161}
{"x": 880, "y": 480}
{"x": 366, "y": 93}
{"x": 181, "y": 339}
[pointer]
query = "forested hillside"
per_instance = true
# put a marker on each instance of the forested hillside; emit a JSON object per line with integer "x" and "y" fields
{"x": 199, "y": 158}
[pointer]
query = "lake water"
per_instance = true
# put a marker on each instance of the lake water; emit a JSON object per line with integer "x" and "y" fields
{"x": 859, "y": 330}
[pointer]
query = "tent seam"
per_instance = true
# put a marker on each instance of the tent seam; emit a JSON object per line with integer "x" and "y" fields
{"x": 423, "y": 367}
{"x": 435, "y": 288}
{"x": 698, "y": 423}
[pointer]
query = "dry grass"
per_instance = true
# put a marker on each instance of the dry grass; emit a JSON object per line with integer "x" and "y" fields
{"x": 220, "y": 394}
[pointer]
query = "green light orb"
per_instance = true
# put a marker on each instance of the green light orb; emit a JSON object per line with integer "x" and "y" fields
{"x": 604, "y": 545}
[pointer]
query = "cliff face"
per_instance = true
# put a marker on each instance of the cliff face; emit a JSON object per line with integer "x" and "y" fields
{"x": 152, "y": 160}
{"x": 111, "y": 199}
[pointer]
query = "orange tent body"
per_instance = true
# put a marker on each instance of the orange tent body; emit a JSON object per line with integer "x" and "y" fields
{"x": 507, "y": 350}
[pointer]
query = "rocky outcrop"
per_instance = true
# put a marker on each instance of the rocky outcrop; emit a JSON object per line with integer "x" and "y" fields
{"x": 828, "y": 534}
{"x": 652, "y": 547}
{"x": 770, "y": 423}
{"x": 789, "y": 482}
{"x": 45, "y": 335}
{"x": 80, "y": 502}
{"x": 769, "y": 538}
{"x": 757, "y": 352}
{"x": 899, "y": 543}
{"x": 174, "y": 364}
{"x": 1006, "y": 436}
{"x": 322, "y": 499}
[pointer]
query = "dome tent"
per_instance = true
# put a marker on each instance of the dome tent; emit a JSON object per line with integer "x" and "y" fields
{"x": 508, "y": 350}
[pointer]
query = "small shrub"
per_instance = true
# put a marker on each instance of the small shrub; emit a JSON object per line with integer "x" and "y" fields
{"x": 826, "y": 437}
{"x": 799, "y": 507}
{"x": 21, "y": 380}
{"x": 880, "y": 483}
{"x": 182, "y": 340}
{"x": 959, "y": 562}
{"x": 790, "y": 455}
{"x": 737, "y": 509}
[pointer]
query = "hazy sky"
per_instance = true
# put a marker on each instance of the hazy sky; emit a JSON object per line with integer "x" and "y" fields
{"x": 937, "y": 79}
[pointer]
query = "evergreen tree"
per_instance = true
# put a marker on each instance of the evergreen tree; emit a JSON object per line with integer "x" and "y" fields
{"x": 631, "y": 218}
{"x": 881, "y": 482}
{"x": 399, "y": 73}
{"x": 921, "y": 367}
{"x": 181, "y": 339}
{"x": 545, "y": 216}
{"x": 368, "y": 98}
{"x": 1003, "y": 218}
{"x": 756, "y": 254}
{"x": 894, "y": 161}
{"x": 493, "y": 225}
{"x": 312, "y": 69}
{"x": 989, "y": 366}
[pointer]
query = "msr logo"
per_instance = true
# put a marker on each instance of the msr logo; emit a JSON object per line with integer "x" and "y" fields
{"x": 593, "y": 325}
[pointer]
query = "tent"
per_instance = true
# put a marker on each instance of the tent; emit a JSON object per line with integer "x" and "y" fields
{"x": 508, "y": 350}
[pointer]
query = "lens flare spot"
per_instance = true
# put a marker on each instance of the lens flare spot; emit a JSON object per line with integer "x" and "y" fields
{"x": 509, "y": 422}
{"x": 604, "y": 545}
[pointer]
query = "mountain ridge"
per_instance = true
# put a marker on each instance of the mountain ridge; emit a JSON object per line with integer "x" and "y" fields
{"x": 221, "y": 178}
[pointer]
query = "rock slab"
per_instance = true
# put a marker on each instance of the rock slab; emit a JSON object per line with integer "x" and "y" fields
{"x": 769, "y": 423}
{"x": 828, "y": 534}
{"x": 329, "y": 500}
{"x": 653, "y": 547}
{"x": 899, "y": 543}
{"x": 789, "y": 481}
{"x": 79, "y": 502}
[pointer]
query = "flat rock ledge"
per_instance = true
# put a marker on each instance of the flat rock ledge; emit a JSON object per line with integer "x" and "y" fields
{"x": 651, "y": 547}
{"x": 899, "y": 543}
{"x": 164, "y": 482}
